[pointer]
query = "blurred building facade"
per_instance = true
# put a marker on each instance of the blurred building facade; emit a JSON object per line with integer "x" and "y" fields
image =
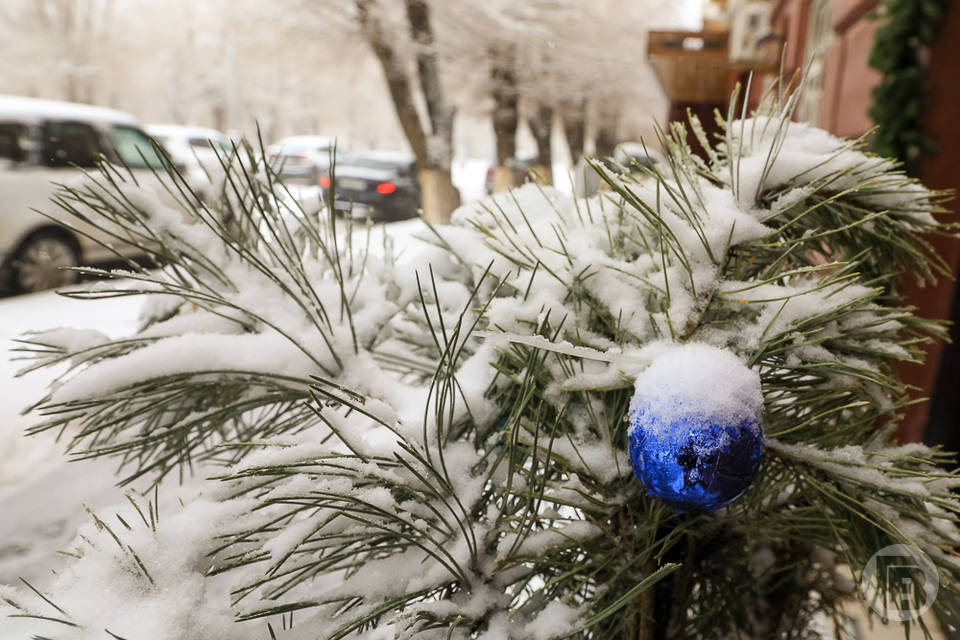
{"x": 831, "y": 40}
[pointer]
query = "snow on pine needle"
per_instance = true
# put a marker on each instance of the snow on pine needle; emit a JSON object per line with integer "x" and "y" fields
{"x": 436, "y": 447}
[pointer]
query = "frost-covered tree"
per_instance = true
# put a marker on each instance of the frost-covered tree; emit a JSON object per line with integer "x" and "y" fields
{"x": 663, "y": 412}
{"x": 57, "y": 45}
{"x": 429, "y": 131}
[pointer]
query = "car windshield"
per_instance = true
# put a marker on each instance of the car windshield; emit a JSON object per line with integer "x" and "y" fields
{"x": 135, "y": 148}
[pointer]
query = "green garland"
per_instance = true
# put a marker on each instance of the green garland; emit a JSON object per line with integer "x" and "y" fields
{"x": 902, "y": 96}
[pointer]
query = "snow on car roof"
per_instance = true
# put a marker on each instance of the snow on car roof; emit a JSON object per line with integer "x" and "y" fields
{"x": 385, "y": 156}
{"x": 184, "y": 131}
{"x": 35, "y": 110}
{"x": 303, "y": 142}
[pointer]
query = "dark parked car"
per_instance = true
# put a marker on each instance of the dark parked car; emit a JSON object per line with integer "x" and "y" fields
{"x": 379, "y": 184}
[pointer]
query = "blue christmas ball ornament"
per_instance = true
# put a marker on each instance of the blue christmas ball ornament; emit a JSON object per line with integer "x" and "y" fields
{"x": 695, "y": 434}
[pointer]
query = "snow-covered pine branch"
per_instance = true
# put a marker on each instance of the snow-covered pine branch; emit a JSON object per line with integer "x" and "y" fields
{"x": 436, "y": 447}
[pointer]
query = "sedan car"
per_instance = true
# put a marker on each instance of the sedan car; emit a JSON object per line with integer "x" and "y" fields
{"x": 377, "y": 184}
{"x": 197, "y": 152}
{"x": 301, "y": 159}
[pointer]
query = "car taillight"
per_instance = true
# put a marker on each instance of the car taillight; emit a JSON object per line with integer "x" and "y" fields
{"x": 386, "y": 187}
{"x": 325, "y": 182}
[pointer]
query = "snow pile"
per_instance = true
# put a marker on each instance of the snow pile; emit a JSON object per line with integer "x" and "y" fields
{"x": 137, "y": 573}
{"x": 797, "y": 159}
{"x": 713, "y": 382}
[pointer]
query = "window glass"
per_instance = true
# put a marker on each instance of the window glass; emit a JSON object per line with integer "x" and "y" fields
{"x": 643, "y": 161}
{"x": 67, "y": 144}
{"x": 11, "y": 141}
{"x": 222, "y": 147}
{"x": 202, "y": 143}
{"x": 135, "y": 148}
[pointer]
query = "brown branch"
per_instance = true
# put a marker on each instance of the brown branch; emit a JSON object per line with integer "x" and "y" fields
{"x": 398, "y": 83}
{"x": 505, "y": 111}
{"x": 575, "y": 127}
{"x": 541, "y": 126}
{"x": 439, "y": 112}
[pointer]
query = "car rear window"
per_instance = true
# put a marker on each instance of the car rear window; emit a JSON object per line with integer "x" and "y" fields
{"x": 11, "y": 145}
{"x": 67, "y": 144}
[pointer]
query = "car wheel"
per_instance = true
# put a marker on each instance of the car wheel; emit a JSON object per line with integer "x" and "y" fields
{"x": 40, "y": 263}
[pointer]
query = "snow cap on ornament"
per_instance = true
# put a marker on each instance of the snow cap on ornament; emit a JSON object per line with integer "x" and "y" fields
{"x": 695, "y": 434}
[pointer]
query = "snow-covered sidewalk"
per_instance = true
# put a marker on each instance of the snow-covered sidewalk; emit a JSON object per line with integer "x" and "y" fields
{"x": 42, "y": 496}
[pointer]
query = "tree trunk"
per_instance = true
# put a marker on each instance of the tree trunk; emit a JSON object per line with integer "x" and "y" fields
{"x": 431, "y": 141}
{"x": 503, "y": 179}
{"x": 541, "y": 126}
{"x": 574, "y": 118}
{"x": 605, "y": 141}
{"x": 439, "y": 196}
{"x": 439, "y": 113}
{"x": 506, "y": 116}
{"x": 605, "y": 131}
{"x": 398, "y": 83}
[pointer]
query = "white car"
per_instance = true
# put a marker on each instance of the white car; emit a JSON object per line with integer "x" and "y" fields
{"x": 301, "y": 159}
{"x": 44, "y": 143}
{"x": 197, "y": 152}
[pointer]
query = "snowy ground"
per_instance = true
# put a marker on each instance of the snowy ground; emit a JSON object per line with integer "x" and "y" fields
{"x": 42, "y": 495}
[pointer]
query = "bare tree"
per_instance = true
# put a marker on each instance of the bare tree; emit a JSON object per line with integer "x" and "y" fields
{"x": 374, "y": 73}
{"x": 430, "y": 137}
{"x": 506, "y": 118}
{"x": 57, "y": 47}
{"x": 540, "y": 122}
{"x": 574, "y": 117}
{"x": 606, "y": 127}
